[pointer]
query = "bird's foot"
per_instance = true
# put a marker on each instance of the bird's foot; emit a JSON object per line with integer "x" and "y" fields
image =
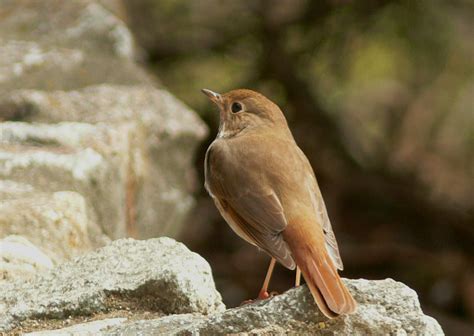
{"x": 261, "y": 296}
{"x": 264, "y": 295}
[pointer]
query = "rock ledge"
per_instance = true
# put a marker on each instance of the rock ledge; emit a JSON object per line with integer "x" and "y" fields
{"x": 158, "y": 286}
{"x": 160, "y": 275}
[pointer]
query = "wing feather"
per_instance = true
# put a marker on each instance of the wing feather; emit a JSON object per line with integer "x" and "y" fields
{"x": 254, "y": 214}
{"x": 323, "y": 218}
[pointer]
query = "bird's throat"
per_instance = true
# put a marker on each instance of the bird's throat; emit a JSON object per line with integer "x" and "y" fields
{"x": 226, "y": 132}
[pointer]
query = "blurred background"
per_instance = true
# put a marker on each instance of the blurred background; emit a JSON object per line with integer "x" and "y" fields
{"x": 379, "y": 95}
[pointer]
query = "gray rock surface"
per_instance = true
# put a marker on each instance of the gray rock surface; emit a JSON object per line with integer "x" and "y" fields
{"x": 54, "y": 44}
{"x": 93, "y": 160}
{"x": 83, "y": 329}
{"x": 128, "y": 146}
{"x": 160, "y": 275}
{"x": 164, "y": 277}
{"x": 168, "y": 325}
{"x": 133, "y": 145}
{"x": 386, "y": 307}
{"x": 56, "y": 223}
{"x": 64, "y": 23}
{"x": 19, "y": 258}
{"x": 12, "y": 189}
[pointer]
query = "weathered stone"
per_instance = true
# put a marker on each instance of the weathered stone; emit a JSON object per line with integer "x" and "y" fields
{"x": 21, "y": 259}
{"x": 386, "y": 307}
{"x": 163, "y": 276}
{"x": 64, "y": 45}
{"x": 168, "y": 325}
{"x": 93, "y": 160}
{"x": 159, "y": 271}
{"x": 154, "y": 109}
{"x": 29, "y": 65}
{"x": 131, "y": 156}
{"x": 82, "y": 329}
{"x": 12, "y": 189}
{"x": 156, "y": 162}
{"x": 68, "y": 24}
{"x": 57, "y": 223}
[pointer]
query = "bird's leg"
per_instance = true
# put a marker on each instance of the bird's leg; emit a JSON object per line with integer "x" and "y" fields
{"x": 263, "y": 294}
{"x": 298, "y": 277}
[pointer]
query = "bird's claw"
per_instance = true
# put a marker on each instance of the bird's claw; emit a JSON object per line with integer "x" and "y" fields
{"x": 263, "y": 295}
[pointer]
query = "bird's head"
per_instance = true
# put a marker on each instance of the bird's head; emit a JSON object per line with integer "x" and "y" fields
{"x": 244, "y": 109}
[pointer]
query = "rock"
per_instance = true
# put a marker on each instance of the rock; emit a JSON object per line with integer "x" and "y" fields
{"x": 168, "y": 325}
{"x": 156, "y": 110}
{"x": 386, "y": 307}
{"x": 11, "y": 189}
{"x": 64, "y": 24}
{"x": 160, "y": 275}
{"x": 93, "y": 160}
{"x": 21, "y": 259}
{"x": 30, "y": 65}
{"x": 83, "y": 329}
{"x": 128, "y": 148}
{"x": 140, "y": 139}
{"x": 180, "y": 285}
{"x": 56, "y": 223}
{"x": 65, "y": 45}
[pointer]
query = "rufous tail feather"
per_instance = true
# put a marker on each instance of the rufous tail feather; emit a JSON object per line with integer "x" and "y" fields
{"x": 320, "y": 274}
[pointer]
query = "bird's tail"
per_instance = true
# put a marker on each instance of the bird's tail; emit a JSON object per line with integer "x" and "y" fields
{"x": 320, "y": 274}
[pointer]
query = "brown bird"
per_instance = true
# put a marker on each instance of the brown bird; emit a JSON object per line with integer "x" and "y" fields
{"x": 265, "y": 188}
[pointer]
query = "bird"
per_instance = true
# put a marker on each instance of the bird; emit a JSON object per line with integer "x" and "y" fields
{"x": 266, "y": 190}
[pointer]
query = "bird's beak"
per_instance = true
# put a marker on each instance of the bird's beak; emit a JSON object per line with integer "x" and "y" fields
{"x": 214, "y": 97}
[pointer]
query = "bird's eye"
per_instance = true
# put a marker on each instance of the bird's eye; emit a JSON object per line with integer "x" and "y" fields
{"x": 236, "y": 107}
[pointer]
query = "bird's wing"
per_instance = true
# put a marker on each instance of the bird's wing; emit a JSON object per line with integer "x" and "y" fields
{"x": 323, "y": 218}
{"x": 254, "y": 211}
{"x": 321, "y": 212}
{"x": 261, "y": 219}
